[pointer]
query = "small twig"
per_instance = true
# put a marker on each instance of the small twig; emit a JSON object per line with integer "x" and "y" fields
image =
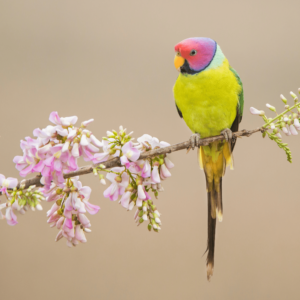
{"x": 115, "y": 162}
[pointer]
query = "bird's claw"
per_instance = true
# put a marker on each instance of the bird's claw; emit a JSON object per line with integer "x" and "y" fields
{"x": 227, "y": 133}
{"x": 195, "y": 140}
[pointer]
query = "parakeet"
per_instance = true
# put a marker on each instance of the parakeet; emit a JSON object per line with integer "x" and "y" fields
{"x": 209, "y": 97}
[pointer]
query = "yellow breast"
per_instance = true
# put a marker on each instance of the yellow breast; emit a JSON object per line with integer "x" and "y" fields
{"x": 208, "y": 100}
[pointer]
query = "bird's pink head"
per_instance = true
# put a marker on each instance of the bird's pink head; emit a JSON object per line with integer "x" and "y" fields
{"x": 194, "y": 54}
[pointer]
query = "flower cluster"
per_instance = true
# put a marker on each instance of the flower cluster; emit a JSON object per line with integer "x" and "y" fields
{"x": 68, "y": 211}
{"x": 18, "y": 199}
{"x": 53, "y": 153}
{"x": 132, "y": 182}
{"x": 287, "y": 122}
{"x": 56, "y": 149}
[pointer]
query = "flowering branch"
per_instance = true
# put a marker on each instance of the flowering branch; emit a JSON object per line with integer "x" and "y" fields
{"x": 289, "y": 124}
{"x": 115, "y": 162}
{"x": 134, "y": 169}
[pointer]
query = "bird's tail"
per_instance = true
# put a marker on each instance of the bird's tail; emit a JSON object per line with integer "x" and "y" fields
{"x": 214, "y": 159}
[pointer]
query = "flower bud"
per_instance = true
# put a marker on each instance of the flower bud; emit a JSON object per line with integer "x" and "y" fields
{"x": 59, "y": 191}
{"x": 112, "y": 151}
{"x": 141, "y": 220}
{"x": 255, "y": 111}
{"x": 154, "y": 186}
{"x": 159, "y": 187}
{"x": 294, "y": 96}
{"x": 131, "y": 205}
{"x": 293, "y": 130}
{"x": 118, "y": 179}
{"x": 39, "y": 207}
{"x": 133, "y": 196}
{"x": 139, "y": 180}
{"x": 157, "y": 213}
{"x": 272, "y": 108}
{"x": 149, "y": 227}
{"x": 157, "y": 220}
{"x": 85, "y": 123}
{"x": 155, "y": 163}
{"x": 284, "y": 129}
{"x": 286, "y": 106}
{"x": 284, "y": 100}
{"x": 153, "y": 207}
{"x": 95, "y": 172}
{"x": 129, "y": 188}
{"x": 296, "y": 122}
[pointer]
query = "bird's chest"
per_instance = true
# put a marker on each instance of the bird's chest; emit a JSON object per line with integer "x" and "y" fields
{"x": 208, "y": 102}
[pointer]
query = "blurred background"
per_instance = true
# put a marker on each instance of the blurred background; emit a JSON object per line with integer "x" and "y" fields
{"x": 113, "y": 61}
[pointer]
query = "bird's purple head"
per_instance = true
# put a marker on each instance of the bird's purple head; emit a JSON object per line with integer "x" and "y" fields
{"x": 194, "y": 54}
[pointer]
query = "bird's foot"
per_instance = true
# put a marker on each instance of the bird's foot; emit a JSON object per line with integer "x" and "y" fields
{"x": 195, "y": 140}
{"x": 227, "y": 133}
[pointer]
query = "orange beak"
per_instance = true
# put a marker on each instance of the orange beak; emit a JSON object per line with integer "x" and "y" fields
{"x": 178, "y": 61}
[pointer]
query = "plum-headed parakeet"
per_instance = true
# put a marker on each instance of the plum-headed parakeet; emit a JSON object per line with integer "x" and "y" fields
{"x": 209, "y": 97}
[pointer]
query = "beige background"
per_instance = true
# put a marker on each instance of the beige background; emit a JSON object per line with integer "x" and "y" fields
{"x": 113, "y": 61}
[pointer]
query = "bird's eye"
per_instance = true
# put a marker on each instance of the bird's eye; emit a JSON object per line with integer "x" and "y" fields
{"x": 193, "y": 52}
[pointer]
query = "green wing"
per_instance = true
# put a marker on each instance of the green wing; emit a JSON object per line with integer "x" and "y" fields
{"x": 239, "y": 109}
{"x": 241, "y": 95}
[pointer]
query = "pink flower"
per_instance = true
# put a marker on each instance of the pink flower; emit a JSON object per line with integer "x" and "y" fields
{"x": 7, "y": 183}
{"x": 67, "y": 121}
{"x": 146, "y": 171}
{"x": 142, "y": 196}
{"x": 52, "y": 210}
{"x": 150, "y": 142}
{"x": 168, "y": 163}
{"x": 100, "y": 157}
{"x": 91, "y": 208}
{"x": 297, "y": 124}
{"x": 10, "y": 217}
{"x": 116, "y": 188}
{"x": 155, "y": 175}
{"x": 255, "y": 111}
{"x": 293, "y": 130}
{"x": 25, "y": 163}
{"x": 129, "y": 152}
{"x": 164, "y": 172}
{"x": 125, "y": 199}
{"x": 79, "y": 234}
{"x": 84, "y": 220}
{"x": 141, "y": 192}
